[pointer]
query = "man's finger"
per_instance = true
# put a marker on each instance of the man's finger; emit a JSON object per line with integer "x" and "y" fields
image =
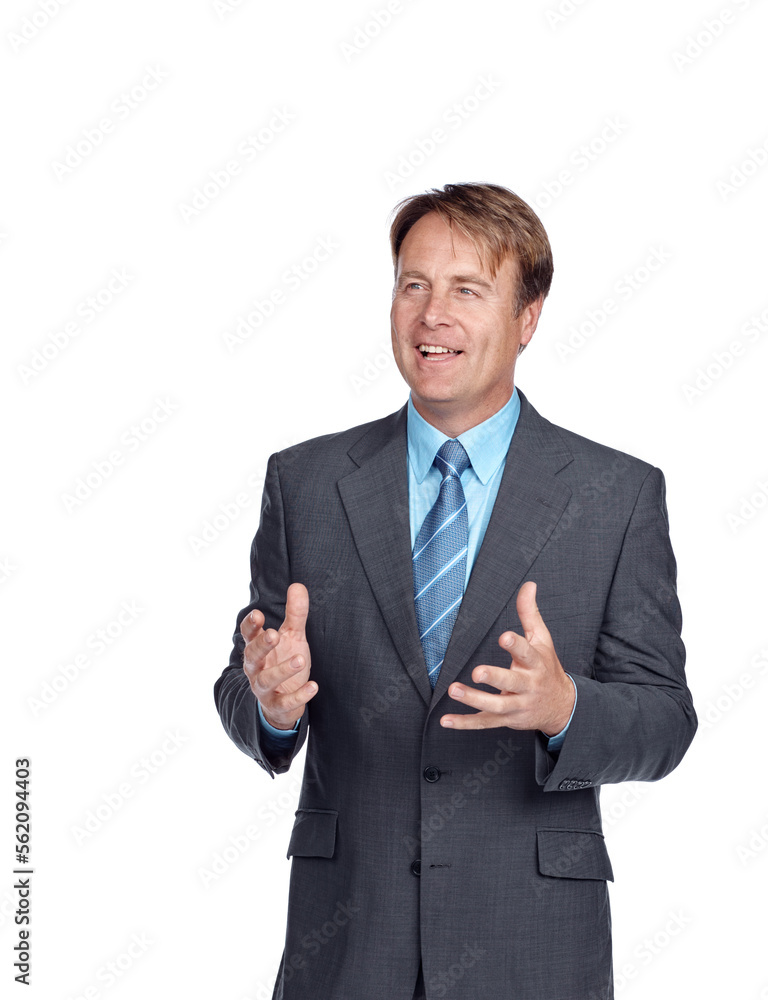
{"x": 292, "y": 700}
{"x": 260, "y": 646}
{"x": 296, "y": 607}
{"x": 483, "y": 701}
{"x": 476, "y": 720}
{"x": 520, "y": 649}
{"x": 504, "y": 679}
{"x": 251, "y": 624}
{"x": 528, "y": 612}
{"x": 270, "y": 678}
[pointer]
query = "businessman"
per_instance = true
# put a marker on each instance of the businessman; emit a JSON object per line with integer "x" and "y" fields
{"x": 470, "y": 615}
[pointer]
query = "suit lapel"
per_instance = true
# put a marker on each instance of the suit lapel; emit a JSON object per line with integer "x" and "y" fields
{"x": 375, "y": 497}
{"x": 530, "y": 502}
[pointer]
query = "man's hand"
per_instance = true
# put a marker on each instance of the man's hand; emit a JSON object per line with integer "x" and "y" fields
{"x": 536, "y": 693}
{"x": 277, "y": 662}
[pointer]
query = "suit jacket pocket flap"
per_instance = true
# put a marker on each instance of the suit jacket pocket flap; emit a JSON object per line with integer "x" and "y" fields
{"x": 573, "y": 854}
{"x": 314, "y": 833}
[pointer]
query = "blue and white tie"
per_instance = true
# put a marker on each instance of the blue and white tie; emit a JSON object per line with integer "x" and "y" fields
{"x": 440, "y": 559}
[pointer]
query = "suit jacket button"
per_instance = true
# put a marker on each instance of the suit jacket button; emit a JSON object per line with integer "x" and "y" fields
{"x": 432, "y": 773}
{"x": 416, "y": 867}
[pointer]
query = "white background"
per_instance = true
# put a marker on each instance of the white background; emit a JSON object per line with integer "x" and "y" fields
{"x": 358, "y": 103}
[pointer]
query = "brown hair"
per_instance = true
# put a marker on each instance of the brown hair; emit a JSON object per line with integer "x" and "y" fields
{"x": 496, "y": 220}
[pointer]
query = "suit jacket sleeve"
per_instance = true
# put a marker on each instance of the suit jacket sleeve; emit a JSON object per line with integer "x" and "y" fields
{"x": 634, "y": 719}
{"x": 270, "y": 578}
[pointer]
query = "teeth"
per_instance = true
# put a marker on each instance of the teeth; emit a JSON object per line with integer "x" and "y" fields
{"x": 433, "y": 349}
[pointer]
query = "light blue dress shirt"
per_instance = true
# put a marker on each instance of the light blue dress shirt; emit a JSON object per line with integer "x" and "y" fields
{"x": 486, "y": 445}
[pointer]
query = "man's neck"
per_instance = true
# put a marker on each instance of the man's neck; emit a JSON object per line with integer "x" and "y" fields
{"x": 455, "y": 423}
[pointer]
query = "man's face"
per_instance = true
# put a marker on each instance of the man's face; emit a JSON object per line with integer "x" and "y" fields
{"x": 446, "y": 299}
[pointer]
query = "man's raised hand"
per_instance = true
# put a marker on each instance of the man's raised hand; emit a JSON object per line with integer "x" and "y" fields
{"x": 277, "y": 662}
{"x": 535, "y": 692}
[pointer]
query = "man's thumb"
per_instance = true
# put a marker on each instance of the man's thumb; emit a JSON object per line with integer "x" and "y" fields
{"x": 296, "y": 607}
{"x": 527, "y": 609}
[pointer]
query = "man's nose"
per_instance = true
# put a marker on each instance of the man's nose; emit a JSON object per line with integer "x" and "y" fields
{"x": 437, "y": 309}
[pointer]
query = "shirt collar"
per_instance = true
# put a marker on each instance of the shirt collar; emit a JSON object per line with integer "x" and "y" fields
{"x": 486, "y": 444}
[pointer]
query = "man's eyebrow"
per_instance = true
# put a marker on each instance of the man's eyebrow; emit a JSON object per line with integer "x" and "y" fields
{"x": 472, "y": 279}
{"x": 462, "y": 279}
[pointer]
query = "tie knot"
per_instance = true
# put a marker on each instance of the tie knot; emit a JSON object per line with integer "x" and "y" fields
{"x": 452, "y": 459}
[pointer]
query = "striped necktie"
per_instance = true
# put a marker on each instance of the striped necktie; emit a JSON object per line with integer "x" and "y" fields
{"x": 440, "y": 559}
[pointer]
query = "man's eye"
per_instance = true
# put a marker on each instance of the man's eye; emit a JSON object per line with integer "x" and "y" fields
{"x": 413, "y": 284}
{"x": 470, "y": 290}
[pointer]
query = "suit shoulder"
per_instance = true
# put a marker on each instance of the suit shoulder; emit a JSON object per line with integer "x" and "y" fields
{"x": 588, "y": 450}
{"x": 587, "y": 465}
{"x": 553, "y": 437}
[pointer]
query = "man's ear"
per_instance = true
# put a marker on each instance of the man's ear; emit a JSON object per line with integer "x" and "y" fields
{"x": 530, "y": 320}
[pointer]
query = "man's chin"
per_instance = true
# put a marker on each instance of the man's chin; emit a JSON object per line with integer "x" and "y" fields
{"x": 433, "y": 405}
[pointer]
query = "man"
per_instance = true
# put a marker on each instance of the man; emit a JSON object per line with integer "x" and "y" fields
{"x": 472, "y": 613}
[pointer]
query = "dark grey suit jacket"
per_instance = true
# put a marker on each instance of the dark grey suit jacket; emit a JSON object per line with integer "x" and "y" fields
{"x": 478, "y": 850}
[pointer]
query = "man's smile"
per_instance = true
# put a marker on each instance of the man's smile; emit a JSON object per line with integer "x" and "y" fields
{"x": 436, "y": 351}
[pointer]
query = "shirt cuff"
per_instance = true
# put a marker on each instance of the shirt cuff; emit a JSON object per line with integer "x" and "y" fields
{"x": 283, "y": 735}
{"x": 556, "y": 741}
